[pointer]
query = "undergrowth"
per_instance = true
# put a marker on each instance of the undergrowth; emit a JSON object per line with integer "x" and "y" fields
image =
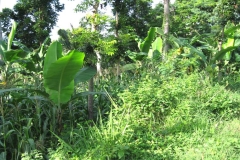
{"x": 171, "y": 118}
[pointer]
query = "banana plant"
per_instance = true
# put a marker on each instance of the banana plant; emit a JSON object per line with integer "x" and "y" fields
{"x": 145, "y": 45}
{"x": 232, "y": 42}
{"x": 12, "y": 55}
{"x": 22, "y": 56}
{"x": 19, "y": 57}
{"x": 150, "y": 47}
{"x": 59, "y": 72}
{"x": 5, "y": 49}
{"x": 62, "y": 73}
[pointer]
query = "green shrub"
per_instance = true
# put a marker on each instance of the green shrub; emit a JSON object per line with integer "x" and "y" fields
{"x": 160, "y": 96}
{"x": 152, "y": 96}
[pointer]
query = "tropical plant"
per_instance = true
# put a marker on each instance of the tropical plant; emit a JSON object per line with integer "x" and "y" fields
{"x": 13, "y": 58}
{"x": 59, "y": 82}
{"x": 16, "y": 90}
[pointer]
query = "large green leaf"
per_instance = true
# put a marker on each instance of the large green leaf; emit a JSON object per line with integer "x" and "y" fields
{"x": 11, "y": 35}
{"x": 157, "y": 44}
{"x": 22, "y": 46}
{"x": 198, "y": 52}
{"x": 54, "y": 52}
{"x": 10, "y": 90}
{"x": 63, "y": 95}
{"x": 85, "y": 74}
{"x": 156, "y": 48}
{"x": 219, "y": 55}
{"x": 176, "y": 42}
{"x": 146, "y": 44}
{"x": 61, "y": 72}
{"x": 229, "y": 43}
{"x": 159, "y": 31}
{"x": 13, "y": 55}
{"x": 231, "y": 30}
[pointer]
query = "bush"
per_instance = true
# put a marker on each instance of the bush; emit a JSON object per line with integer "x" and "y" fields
{"x": 190, "y": 109}
{"x": 160, "y": 96}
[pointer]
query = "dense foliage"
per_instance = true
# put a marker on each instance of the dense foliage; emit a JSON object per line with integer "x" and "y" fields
{"x": 35, "y": 20}
{"x": 186, "y": 106}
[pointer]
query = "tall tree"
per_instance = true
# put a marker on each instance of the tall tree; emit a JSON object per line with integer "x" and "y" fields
{"x": 0, "y": 22}
{"x": 35, "y": 20}
{"x": 95, "y": 20}
{"x": 6, "y": 24}
{"x": 132, "y": 20}
{"x": 132, "y": 15}
{"x": 166, "y": 26}
{"x": 1, "y": 38}
{"x": 197, "y": 17}
{"x": 192, "y": 17}
{"x": 94, "y": 4}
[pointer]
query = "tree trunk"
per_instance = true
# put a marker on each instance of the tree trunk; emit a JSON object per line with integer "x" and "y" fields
{"x": 118, "y": 71}
{"x": 94, "y": 28}
{"x": 166, "y": 26}
{"x": 1, "y": 22}
{"x": 91, "y": 82}
{"x": 116, "y": 35}
{"x": 99, "y": 69}
{"x": 220, "y": 62}
{"x": 1, "y": 29}
{"x": 90, "y": 99}
{"x": 116, "y": 24}
{"x": 1, "y": 38}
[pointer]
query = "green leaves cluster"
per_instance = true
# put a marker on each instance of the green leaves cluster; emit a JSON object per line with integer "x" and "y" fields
{"x": 35, "y": 19}
{"x": 152, "y": 44}
{"x": 16, "y": 61}
{"x": 59, "y": 72}
{"x": 190, "y": 18}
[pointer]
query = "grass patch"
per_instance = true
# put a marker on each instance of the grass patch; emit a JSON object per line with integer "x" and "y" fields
{"x": 184, "y": 118}
{"x": 212, "y": 141}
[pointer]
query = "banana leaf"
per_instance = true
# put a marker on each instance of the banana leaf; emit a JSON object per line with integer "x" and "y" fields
{"x": 85, "y": 74}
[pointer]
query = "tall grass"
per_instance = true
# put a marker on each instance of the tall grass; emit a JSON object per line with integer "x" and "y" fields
{"x": 154, "y": 116}
{"x": 199, "y": 120}
{"x": 105, "y": 140}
